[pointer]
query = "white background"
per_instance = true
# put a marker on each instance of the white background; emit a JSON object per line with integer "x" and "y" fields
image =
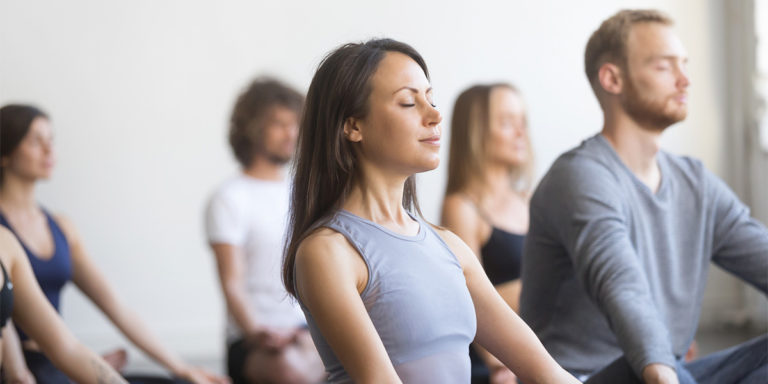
{"x": 140, "y": 92}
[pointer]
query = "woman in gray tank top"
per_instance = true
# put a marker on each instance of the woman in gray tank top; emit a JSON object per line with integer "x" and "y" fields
{"x": 388, "y": 297}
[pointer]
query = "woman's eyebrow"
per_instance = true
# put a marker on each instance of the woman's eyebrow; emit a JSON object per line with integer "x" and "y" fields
{"x": 412, "y": 89}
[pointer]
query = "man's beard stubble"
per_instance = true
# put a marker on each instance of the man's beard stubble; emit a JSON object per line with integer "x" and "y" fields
{"x": 276, "y": 158}
{"x": 647, "y": 113}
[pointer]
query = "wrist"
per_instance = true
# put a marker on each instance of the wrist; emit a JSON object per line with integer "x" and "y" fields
{"x": 659, "y": 373}
{"x": 178, "y": 369}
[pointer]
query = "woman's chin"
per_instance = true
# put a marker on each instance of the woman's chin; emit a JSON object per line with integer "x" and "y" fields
{"x": 429, "y": 165}
{"x": 44, "y": 176}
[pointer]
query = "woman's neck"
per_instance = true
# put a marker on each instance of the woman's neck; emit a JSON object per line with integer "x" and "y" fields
{"x": 378, "y": 197}
{"x": 17, "y": 195}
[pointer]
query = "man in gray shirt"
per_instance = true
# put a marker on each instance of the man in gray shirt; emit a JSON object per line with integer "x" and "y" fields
{"x": 622, "y": 234}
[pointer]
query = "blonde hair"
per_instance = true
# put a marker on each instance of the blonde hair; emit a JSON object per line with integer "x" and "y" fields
{"x": 470, "y": 129}
{"x": 609, "y": 42}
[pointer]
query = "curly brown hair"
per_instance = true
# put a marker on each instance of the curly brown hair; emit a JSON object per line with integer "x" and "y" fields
{"x": 252, "y": 108}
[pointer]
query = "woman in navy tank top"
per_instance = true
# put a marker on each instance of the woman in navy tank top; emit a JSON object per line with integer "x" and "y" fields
{"x": 22, "y": 298}
{"x": 388, "y": 297}
{"x": 54, "y": 249}
{"x": 486, "y": 204}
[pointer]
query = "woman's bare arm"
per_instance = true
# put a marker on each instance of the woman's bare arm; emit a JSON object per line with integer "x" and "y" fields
{"x": 35, "y": 315}
{"x": 330, "y": 275}
{"x": 500, "y": 330}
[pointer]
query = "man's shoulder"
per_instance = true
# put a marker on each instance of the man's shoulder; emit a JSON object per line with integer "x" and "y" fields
{"x": 593, "y": 152}
{"x": 685, "y": 164}
{"x": 237, "y": 188}
{"x": 688, "y": 171}
{"x": 232, "y": 195}
{"x": 586, "y": 163}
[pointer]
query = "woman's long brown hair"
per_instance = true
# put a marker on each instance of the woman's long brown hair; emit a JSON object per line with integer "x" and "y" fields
{"x": 325, "y": 163}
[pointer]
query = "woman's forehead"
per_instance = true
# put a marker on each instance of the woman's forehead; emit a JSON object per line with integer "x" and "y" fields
{"x": 398, "y": 71}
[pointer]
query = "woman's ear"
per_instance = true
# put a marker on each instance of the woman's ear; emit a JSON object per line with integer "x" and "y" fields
{"x": 352, "y": 130}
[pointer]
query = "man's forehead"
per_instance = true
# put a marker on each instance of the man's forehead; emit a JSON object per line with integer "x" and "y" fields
{"x": 654, "y": 40}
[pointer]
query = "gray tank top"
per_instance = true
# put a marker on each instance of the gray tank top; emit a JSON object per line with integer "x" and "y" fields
{"x": 417, "y": 299}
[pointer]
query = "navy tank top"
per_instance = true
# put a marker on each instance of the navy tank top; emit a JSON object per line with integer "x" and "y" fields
{"x": 417, "y": 299}
{"x": 6, "y": 298}
{"x": 53, "y": 273}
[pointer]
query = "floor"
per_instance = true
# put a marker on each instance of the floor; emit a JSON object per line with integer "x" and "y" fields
{"x": 714, "y": 340}
{"x": 708, "y": 341}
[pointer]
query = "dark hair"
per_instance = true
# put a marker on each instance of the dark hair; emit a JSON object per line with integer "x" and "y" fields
{"x": 251, "y": 109}
{"x": 325, "y": 164}
{"x": 609, "y": 42}
{"x": 15, "y": 121}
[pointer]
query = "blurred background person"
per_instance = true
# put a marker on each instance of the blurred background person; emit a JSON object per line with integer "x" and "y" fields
{"x": 486, "y": 204}
{"x": 54, "y": 248}
{"x": 267, "y": 338}
{"x": 26, "y": 303}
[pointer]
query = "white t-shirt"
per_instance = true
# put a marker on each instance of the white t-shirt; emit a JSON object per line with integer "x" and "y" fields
{"x": 252, "y": 214}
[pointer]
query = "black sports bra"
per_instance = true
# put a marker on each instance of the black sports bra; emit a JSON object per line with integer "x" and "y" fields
{"x": 502, "y": 255}
{"x": 6, "y": 298}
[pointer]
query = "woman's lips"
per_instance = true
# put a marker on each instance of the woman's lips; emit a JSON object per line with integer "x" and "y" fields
{"x": 432, "y": 140}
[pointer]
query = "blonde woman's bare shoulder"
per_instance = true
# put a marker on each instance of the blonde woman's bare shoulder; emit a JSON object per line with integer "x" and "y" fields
{"x": 459, "y": 208}
{"x": 460, "y": 202}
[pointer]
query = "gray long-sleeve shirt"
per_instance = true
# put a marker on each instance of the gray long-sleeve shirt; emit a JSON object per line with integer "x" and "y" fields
{"x": 611, "y": 268}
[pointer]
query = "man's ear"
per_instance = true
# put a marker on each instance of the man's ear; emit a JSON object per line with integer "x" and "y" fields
{"x": 352, "y": 130}
{"x": 610, "y": 77}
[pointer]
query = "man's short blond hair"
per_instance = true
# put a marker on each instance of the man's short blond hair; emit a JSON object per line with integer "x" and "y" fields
{"x": 609, "y": 42}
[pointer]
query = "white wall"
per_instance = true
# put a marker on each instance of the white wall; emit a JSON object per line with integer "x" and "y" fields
{"x": 140, "y": 91}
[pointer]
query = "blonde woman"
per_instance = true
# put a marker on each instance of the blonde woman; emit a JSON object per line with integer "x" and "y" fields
{"x": 486, "y": 203}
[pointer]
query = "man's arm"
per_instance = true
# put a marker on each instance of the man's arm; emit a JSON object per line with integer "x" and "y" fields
{"x": 740, "y": 243}
{"x": 230, "y": 263}
{"x": 582, "y": 204}
{"x": 226, "y": 229}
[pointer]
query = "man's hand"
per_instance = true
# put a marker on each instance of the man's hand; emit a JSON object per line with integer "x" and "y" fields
{"x": 659, "y": 374}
